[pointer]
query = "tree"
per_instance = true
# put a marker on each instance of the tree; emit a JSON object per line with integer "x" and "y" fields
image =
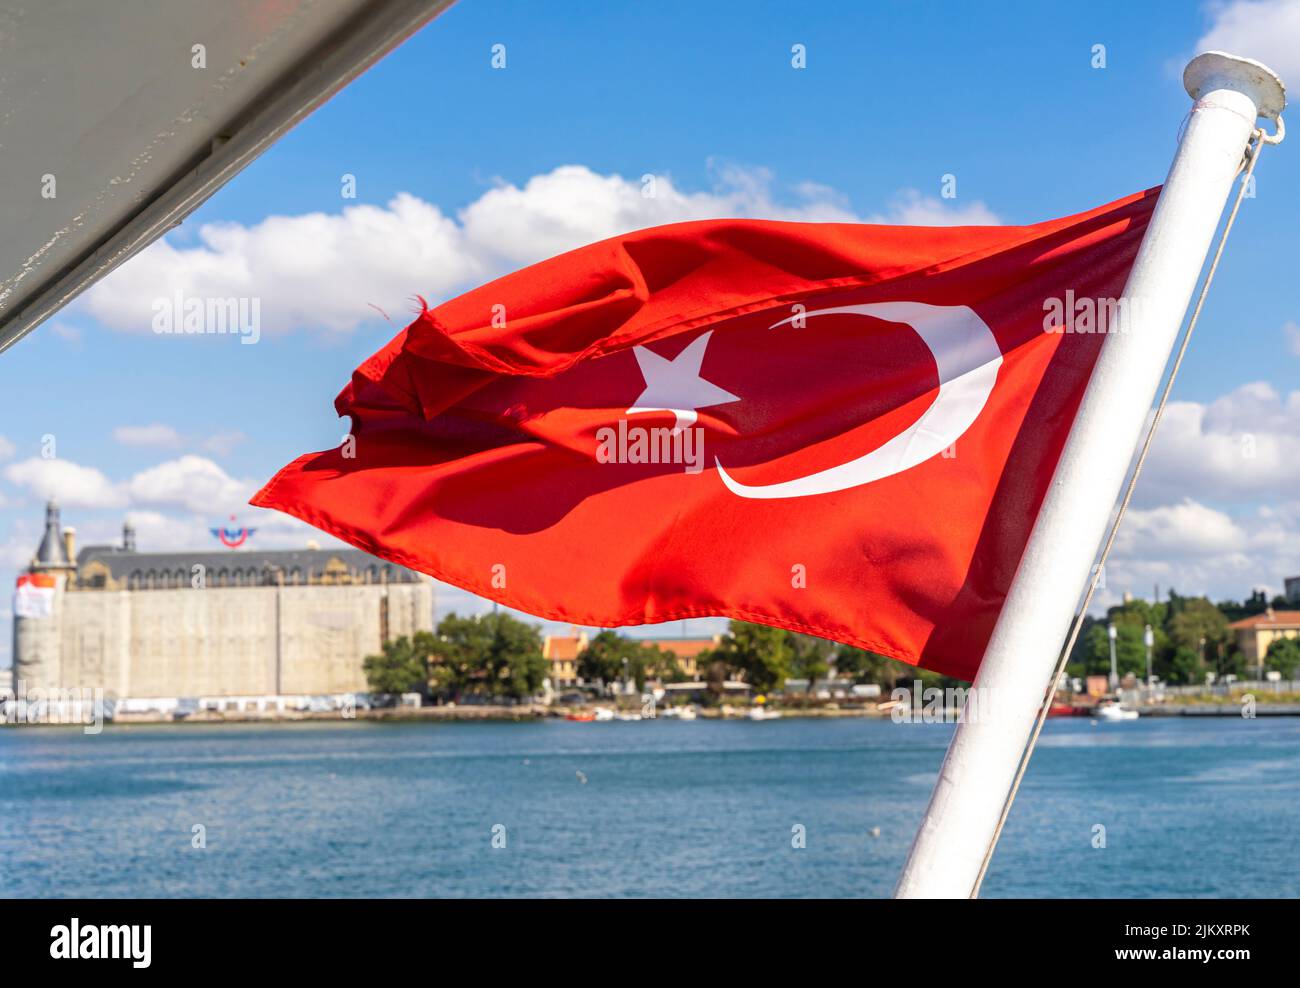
{"x": 401, "y": 667}
{"x": 1130, "y": 650}
{"x": 810, "y": 657}
{"x": 1185, "y": 666}
{"x": 1284, "y": 656}
{"x": 664, "y": 665}
{"x": 715, "y": 673}
{"x": 491, "y": 655}
{"x": 763, "y": 655}
{"x": 871, "y": 667}
{"x": 611, "y": 658}
{"x": 1200, "y": 636}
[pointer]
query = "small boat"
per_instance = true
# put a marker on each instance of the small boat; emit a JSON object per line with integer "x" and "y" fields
{"x": 762, "y": 713}
{"x": 626, "y": 716}
{"x": 603, "y": 713}
{"x": 1060, "y": 709}
{"x": 583, "y": 716}
{"x": 1113, "y": 711}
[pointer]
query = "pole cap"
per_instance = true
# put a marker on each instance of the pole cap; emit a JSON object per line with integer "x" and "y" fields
{"x": 1213, "y": 70}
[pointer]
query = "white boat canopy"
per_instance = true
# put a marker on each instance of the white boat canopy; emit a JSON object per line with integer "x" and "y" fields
{"x": 115, "y": 126}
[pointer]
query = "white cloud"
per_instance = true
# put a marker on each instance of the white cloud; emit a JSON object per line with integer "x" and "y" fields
{"x": 317, "y": 270}
{"x": 18, "y": 548}
{"x": 1265, "y": 30}
{"x": 1292, "y": 333}
{"x": 224, "y": 443}
{"x": 173, "y": 506}
{"x": 147, "y": 435}
{"x": 72, "y": 484}
{"x": 190, "y": 482}
{"x": 7, "y": 448}
{"x": 331, "y": 271}
{"x": 509, "y": 226}
{"x": 65, "y": 332}
{"x": 1242, "y": 447}
{"x": 1216, "y": 510}
{"x": 911, "y": 208}
{"x": 1197, "y": 549}
{"x": 194, "y": 483}
{"x": 1187, "y": 529}
{"x": 162, "y": 436}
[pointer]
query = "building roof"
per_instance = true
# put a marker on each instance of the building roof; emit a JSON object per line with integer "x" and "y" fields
{"x": 296, "y": 564}
{"x": 563, "y": 648}
{"x": 1270, "y": 619}
{"x": 683, "y": 648}
{"x": 52, "y": 551}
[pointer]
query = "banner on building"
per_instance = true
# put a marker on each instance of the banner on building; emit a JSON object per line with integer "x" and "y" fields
{"x": 34, "y": 595}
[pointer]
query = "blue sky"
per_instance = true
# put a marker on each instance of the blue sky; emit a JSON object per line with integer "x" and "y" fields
{"x": 178, "y": 430}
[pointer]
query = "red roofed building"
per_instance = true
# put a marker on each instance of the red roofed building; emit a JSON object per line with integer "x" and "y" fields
{"x": 687, "y": 650}
{"x": 562, "y": 652}
{"x": 1256, "y": 633}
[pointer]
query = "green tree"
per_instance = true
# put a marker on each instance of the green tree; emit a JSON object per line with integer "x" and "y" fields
{"x": 612, "y": 658}
{"x": 664, "y": 665}
{"x": 763, "y": 655}
{"x": 715, "y": 673}
{"x": 871, "y": 667}
{"x": 1283, "y": 655}
{"x": 1185, "y": 666}
{"x": 401, "y": 667}
{"x": 1130, "y": 650}
{"x": 810, "y": 657}
{"x": 1200, "y": 637}
{"x": 491, "y": 655}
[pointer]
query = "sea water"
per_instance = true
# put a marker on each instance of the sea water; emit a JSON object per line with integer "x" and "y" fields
{"x": 791, "y": 807}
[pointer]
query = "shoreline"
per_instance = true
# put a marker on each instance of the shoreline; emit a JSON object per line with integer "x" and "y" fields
{"x": 535, "y": 712}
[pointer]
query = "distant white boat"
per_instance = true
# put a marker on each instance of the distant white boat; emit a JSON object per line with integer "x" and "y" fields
{"x": 762, "y": 713}
{"x": 604, "y": 713}
{"x": 1113, "y": 711}
{"x": 628, "y": 717}
{"x": 680, "y": 713}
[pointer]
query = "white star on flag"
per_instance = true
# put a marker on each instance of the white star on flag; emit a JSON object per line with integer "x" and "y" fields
{"x": 675, "y": 385}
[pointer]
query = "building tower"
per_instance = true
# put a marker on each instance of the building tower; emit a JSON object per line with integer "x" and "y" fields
{"x": 36, "y": 637}
{"x": 54, "y": 555}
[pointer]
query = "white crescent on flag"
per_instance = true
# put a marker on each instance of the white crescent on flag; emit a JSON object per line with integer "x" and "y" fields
{"x": 967, "y": 357}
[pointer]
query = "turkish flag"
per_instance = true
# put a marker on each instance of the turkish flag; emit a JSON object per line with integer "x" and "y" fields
{"x": 840, "y": 429}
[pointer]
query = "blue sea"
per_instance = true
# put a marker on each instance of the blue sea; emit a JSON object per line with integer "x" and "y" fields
{"x": 1190, "y": 807}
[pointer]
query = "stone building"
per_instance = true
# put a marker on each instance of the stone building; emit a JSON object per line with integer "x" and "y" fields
{"x": 196, "y": 624}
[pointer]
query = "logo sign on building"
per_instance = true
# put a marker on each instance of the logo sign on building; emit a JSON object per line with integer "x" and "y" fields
{"x": 34, "y": 595}
{"x": 231, "y": 537}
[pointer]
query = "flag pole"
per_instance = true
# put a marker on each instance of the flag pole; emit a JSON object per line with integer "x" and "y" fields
{"x": 961, "y": 821}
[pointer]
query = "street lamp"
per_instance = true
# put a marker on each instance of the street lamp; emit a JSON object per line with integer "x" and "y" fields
{"x": 1112, "y": 633}
{"x": 1150, "y": 639}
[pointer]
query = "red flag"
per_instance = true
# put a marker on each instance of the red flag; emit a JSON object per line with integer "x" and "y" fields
{"x": 840, "y": 429}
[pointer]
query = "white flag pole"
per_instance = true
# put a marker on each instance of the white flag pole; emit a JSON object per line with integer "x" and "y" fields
{"x": 962, "y": 819}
